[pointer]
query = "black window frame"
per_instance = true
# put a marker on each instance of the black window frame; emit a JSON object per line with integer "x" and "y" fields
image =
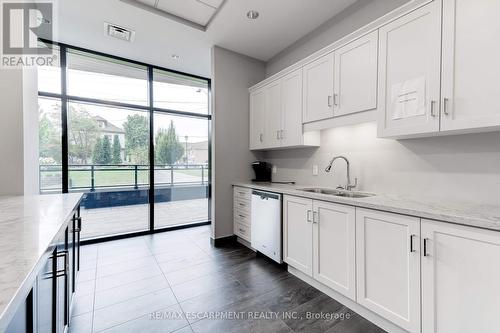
{"x": 150, "y": 108}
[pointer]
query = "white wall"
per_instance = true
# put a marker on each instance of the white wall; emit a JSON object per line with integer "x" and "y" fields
{"x": 462, "y": 167}
{"x": 233, "y": 74}
{"x": 354, "y": 17}
{"x": 18, "y": 132}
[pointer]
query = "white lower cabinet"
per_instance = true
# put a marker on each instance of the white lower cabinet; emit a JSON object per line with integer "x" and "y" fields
{"x": 319, "y": 240}
{"x": 242, "y": 217}
{"x": 423, "y": 276}
{"x": 388, "y": 266}
{"x": 460, "y": 279}
{"x": 297, "y": 233}
{"x": 334, "y": 247}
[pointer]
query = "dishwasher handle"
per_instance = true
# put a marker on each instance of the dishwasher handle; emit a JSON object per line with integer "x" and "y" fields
{"x": 266, "y": 195}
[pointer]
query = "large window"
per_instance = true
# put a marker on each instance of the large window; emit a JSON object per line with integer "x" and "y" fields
{"x": 133, "y": 137}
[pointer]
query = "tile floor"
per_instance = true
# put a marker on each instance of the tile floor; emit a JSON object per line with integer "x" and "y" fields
{"x": 177, "y": 282}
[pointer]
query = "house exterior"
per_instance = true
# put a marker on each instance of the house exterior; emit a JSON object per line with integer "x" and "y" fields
{"x": 107, "y": 129}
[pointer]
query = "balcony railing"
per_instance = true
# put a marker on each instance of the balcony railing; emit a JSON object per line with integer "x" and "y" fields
{"x": 90, "y": 177}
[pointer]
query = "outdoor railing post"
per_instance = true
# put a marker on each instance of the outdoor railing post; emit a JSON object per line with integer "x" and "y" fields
{"x": 171, "y": 175}
{"x": 135, "y": 176}
{"x": 92, "y": 179}
{"x": 202, "y": 175}
{"x": 40, "y": 178}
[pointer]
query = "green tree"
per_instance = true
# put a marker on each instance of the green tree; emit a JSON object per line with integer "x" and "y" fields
{"x": 117, "y": 151}
{"x": 137, "y": 138}
{"x": 102, "y": 151}
{"x": 97, "y": 155}
{"x": 107, "y": 157}
{"x": 168, "y": 148}
{"x": 49, "y": 139}
{"x": 83, "y": 133}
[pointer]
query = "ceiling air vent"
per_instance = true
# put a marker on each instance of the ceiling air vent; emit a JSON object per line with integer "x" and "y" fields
{"x": 116, "y": 31}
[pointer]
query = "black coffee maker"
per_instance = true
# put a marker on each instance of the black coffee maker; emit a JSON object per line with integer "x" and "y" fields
{"x": 262, "y": 171}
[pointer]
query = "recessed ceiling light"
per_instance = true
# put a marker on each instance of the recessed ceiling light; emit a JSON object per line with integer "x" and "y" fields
{"x": 175, "y": 57}
{"x": 253, "y": 14}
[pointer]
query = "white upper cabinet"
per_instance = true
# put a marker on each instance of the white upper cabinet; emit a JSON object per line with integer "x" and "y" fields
{"x": 409, "y": 73}
{"x": 388, "y": 266}
{"x": 291, "y": 134}
{"x": 276, "y": 115}
{"x": 355, "y": 87}
{"x": 471, "y": 65}
{"x": 318, "y": 89}
{"x": 460, "y": 275}
{"x": 273, "y": 115}
{"x": 257, "y": 118}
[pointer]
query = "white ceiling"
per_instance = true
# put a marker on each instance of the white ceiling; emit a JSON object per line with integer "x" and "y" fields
{"x": 199, "y": 12}
{"x": 281, "y": 22}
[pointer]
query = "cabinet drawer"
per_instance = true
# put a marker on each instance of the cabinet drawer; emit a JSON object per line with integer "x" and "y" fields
{"x": 242, "y": 205}
{"x": 242, "y": 193}
{"x": 242, "y": 217}
{"x": 242, "y": 231}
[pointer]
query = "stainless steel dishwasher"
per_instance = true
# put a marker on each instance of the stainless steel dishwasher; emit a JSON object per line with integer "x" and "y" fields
{"x": 266, "y": 224}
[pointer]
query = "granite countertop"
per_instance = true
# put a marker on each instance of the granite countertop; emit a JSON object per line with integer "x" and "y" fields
{"x": 464, "y": 213}
{"x": 28, "y": 226}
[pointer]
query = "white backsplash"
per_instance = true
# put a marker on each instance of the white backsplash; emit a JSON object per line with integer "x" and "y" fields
{"x": 460, "y": 167}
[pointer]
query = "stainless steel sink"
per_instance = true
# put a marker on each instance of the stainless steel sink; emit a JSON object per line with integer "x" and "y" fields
{"x": 338, "y": 193}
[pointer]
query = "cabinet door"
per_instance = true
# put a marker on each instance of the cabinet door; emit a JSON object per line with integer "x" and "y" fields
{"x": 44, "y": 296}
{"x": 388, "y": 266}
{"x": 409, "y": 73}
{"x": 318, "y": 89}
{"x": 292, "y": 109}
{"x": 471, "y": 64}
{"x": 257, "y": 119}
{"x": 272, "y": 132}
{"x": 334, "y": 247}
{"x": 297, "y": 233}
{"x": 356, "y": 76}
{"x": 460, "y": 274}
{"x": 62, "y": 287}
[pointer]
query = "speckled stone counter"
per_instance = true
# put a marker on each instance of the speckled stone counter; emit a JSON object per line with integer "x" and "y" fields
{"x": 28, "y": 225}
{"x": 464, "y": 213}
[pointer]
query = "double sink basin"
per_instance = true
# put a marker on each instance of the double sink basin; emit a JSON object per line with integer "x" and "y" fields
{"x": 337, "y": 193}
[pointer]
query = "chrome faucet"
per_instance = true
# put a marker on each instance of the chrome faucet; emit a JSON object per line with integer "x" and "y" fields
{"x": 348, "y": 186}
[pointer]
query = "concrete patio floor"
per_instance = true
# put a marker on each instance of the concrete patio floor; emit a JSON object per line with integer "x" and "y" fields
{"x": 125, "y": 219}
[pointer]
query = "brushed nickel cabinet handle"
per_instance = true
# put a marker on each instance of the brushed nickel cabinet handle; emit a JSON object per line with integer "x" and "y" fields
{"x": 315, "y": 217}
{"x": 330, "y": 101}
{"x": 445, "y": 106}
{"x": 335, "y": 99}
{"x": 433, "y": 113}
{"x": 411, "y": 243}
{"x": 309, "y": 219}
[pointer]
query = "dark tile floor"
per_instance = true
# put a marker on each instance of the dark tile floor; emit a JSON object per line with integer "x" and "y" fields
{"x": 177, "y": 282}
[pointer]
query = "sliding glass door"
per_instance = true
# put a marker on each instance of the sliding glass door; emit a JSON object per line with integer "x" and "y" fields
{"x": 134, "y": 138}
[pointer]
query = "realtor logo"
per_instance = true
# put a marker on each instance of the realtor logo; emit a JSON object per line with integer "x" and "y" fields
{"x": 23, "y": 23}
